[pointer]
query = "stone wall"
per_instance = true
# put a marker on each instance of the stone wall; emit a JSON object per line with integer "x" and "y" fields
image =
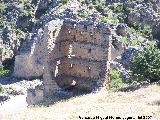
{"x": 72, "y": 54}
{"x": 29, "y": 63}
{"x": 77, "y": 54}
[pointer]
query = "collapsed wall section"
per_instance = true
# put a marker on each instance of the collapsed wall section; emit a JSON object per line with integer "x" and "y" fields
{"x": 29, "y": 63}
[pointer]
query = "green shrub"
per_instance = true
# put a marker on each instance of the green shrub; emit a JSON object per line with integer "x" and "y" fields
{"x": 110, "y": 20}
{"x": 133, "y": 42}
{"x": 1, "y": 50}
{"x": 8, "y": 64}
{"x": 25, "y": 14}
{"x": 133, "y": 30}
{"x": 2, "y": 6}
{"x": 1, "y": 88}
{"x": 1, "y": 22}
{"x": 124, "y": 40}
{"x": 3, "y": 72}
{"x": 120, "y": 9}
{"x": 144, "y": 31}
{"x": 147, "y": 32}
{"x": 23, "y": 1}
{"x": 146, "y": 63}
{"x": 115, "y": 82}
{"x": 100, "y": 6}
{"x": 83, "y": 14}
{"x": 63, "y": 1}
{"x": 116, "y": 7}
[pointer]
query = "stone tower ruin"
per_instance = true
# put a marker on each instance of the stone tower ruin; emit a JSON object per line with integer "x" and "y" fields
{"x": 75, "y": 54}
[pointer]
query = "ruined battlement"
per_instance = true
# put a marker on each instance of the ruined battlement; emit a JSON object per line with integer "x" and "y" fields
{"x": 73, "y": 53}
{"x": 78, "y": 53}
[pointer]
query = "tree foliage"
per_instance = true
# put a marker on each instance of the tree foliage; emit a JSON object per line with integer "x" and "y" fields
{"x": 146, "y": 63}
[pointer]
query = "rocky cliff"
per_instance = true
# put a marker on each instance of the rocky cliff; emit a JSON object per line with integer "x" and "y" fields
{"x": 133, "y": 23}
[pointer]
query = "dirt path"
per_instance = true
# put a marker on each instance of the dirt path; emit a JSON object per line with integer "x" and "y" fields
{"x": 15, "y": 103}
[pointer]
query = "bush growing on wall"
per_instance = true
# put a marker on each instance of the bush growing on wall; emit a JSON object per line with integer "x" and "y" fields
{"x": 146, "y": 63}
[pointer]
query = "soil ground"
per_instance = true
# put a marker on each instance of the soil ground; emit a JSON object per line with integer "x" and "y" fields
{"x": 142, "y": 102}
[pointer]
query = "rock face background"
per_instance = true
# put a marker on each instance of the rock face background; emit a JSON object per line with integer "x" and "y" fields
{"x": 19, "y": 18}
{"x": 22, "y": 26}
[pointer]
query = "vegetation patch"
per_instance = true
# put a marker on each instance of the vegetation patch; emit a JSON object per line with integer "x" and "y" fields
{"x": 146, "y": 64}
{"x": 83, "y": 14}
{"x": 110, "y": 20}
{"x": 1, "y": 50}
{"x": 3, "y": 72}
{"x": 1, "y": 88}
{"x": 63, "y": 1}
{"x": 146, "y": 31}
{"x": 100, "y": 6}
{"x": 115, "y": 81}
{"x": 2, "y": 6}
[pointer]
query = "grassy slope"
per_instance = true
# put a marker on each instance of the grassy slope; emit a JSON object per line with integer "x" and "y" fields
{"x": 145, "y": 101}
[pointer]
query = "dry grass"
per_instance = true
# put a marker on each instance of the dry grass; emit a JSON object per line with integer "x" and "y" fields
{"x": 145, "y": 101}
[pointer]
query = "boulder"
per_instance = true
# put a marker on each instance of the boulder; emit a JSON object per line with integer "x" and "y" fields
{"x": 35, "y": 95}
{"x": 126, "y": 56}
{"x": 121, "y": 30}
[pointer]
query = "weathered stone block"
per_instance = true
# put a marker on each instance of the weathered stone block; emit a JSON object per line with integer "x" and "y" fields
{"x": 35, "y": 95}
